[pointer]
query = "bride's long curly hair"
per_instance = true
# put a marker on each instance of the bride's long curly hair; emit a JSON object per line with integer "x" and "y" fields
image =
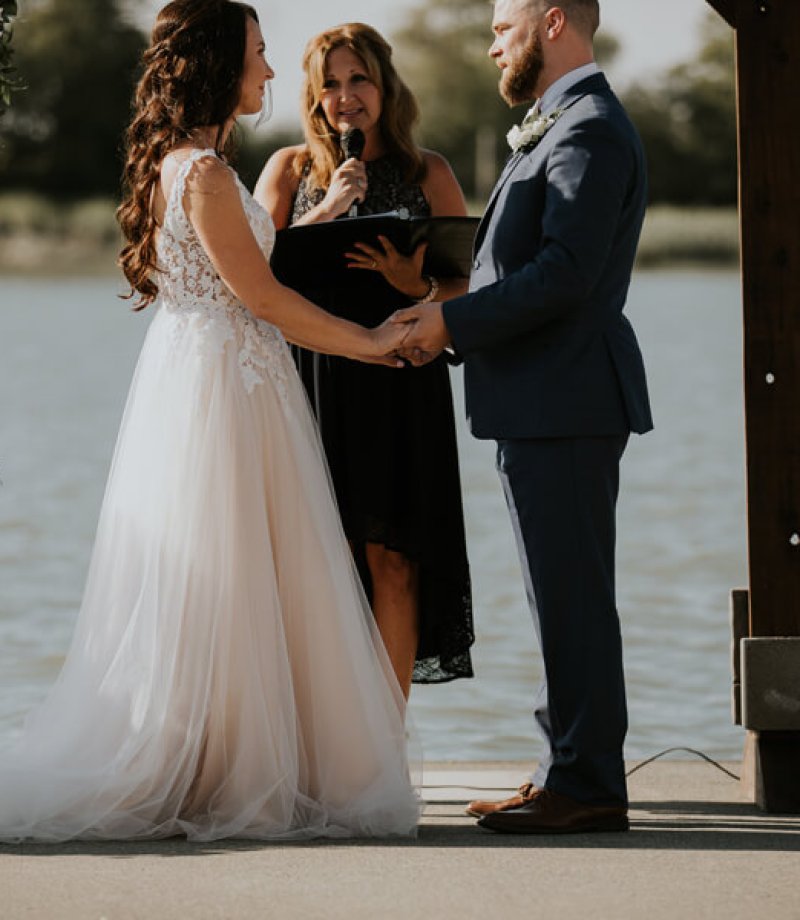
{"x": 192, "y": 76}
{"x": 399, "y": 110}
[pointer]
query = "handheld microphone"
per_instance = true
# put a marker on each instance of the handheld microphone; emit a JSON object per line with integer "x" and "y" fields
{"x": 352, "y": 144}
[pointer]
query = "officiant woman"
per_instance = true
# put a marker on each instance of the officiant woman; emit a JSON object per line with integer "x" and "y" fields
{"x": 389, "y": 435}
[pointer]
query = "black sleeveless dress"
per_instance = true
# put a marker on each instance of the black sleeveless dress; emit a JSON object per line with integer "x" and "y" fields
{"x": 389, "y": 437}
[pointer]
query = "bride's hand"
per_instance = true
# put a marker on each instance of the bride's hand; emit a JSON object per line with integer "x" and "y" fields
{"x": 383, "y": 342}
{"x": 348, "y": 185}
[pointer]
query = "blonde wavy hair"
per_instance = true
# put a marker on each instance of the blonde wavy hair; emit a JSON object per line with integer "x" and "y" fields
{"x": 191, "y": 79}
{"x": 399, "y": 110}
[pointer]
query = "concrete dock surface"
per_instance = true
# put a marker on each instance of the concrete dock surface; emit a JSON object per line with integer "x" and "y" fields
{"x": 696, "y": 850}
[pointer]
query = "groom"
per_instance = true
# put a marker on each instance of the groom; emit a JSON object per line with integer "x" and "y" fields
{"x": 554, "y": 374}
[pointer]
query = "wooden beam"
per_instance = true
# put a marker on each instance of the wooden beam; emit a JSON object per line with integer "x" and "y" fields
{"x": 726, "y": 9}
{"x": 769, "y": 195}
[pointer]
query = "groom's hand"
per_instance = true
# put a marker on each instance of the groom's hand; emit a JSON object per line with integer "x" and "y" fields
{"x": 428, "y": 335}
{"x": 386, "y": 344}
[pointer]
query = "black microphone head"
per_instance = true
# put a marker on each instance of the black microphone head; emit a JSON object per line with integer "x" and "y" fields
{"x": 352, "y": 143}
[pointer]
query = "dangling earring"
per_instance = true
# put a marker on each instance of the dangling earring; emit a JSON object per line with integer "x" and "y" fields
{"x": 266, "y": 107}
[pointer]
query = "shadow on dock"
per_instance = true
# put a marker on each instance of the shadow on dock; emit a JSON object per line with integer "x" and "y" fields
{"x": 686, "y": 826}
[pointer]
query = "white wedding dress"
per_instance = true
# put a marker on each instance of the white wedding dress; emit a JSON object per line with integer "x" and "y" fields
{"x": 225, "y": 678}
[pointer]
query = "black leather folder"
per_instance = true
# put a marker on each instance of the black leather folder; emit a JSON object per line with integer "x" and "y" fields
{"x": 318, "y": 250}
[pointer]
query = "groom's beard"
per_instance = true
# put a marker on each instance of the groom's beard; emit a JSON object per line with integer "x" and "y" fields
{"x": 518, "y": 81}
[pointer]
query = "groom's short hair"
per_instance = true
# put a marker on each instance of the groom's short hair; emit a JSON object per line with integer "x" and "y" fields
{"x": 584, "y": 15}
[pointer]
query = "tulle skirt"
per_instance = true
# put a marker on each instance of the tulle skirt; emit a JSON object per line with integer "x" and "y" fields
{"x": 225, "y": 677}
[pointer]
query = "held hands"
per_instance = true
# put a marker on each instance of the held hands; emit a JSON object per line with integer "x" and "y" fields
{"x": 417, "y": 334}
{"x": 384, "y": 343}
{"x": 427, "y": 335}
{"x": 348, "y": 185}
{"x": 403, "y": 272}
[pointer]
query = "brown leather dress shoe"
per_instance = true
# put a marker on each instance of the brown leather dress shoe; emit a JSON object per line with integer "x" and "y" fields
{"x": 479, "y": 808}
{"x": 547, "y": 812}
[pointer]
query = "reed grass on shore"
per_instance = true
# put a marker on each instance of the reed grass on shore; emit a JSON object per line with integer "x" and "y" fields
{"x": 689, "y": 236}
{"x": 42, "y": 237}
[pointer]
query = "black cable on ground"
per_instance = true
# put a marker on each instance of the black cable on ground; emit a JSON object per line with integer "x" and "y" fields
{"x": 638, "y": 766}
{"x": 705, "y": 757}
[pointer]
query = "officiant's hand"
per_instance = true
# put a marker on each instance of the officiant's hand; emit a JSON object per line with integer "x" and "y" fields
{"x": 348, "y": 186}
{"x": 428, "y": 335}
{"x": 403, "y": 272}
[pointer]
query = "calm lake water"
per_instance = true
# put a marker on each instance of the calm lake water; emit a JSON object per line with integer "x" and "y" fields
{"x": 67, "y": 350}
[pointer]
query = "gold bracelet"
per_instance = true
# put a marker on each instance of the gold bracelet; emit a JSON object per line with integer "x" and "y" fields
{"x": 433, "y": 289}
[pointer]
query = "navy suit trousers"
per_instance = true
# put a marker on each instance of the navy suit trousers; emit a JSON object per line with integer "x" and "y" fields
{"x": 562, "y": 495}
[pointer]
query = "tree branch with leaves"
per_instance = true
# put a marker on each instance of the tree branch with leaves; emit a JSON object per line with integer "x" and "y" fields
{"x": 8, "y": 81}
{"x": 442, "y": 50}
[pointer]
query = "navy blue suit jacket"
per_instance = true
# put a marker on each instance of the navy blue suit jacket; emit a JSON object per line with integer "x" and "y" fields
{"x": 546, "y": 347}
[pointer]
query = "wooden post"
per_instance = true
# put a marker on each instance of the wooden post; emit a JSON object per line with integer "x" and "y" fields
{"x": 769, "y": 167}
{"x": 767, "y": 42}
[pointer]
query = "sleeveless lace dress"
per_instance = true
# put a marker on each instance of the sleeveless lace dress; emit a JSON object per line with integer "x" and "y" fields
{"x": 390, "y": 440}
{"x": 225, "y": 678}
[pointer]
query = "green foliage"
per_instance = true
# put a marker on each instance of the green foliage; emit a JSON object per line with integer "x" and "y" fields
{"x": 687, "y": 119}
{"x": 689, "y": 236}
{"x": 688, "y": 125}
{"x": 46, "y": 237}
{"x": 25, "y": 212}
{"x": 63, "y": 137}
{"x": 91, "y": 221}
{"x": 8, "y": 82}
{"x": 441, "y": 51}
{"x": 79, "y": 62}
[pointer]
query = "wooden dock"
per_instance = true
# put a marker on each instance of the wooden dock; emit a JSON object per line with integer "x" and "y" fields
{"x": 696, "y": 850}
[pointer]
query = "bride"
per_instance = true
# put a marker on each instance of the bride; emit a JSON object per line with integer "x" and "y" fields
{"x": 225, "y": 676}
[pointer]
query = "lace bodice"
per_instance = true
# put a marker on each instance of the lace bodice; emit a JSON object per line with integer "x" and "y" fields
{"x": 198, "y": 300}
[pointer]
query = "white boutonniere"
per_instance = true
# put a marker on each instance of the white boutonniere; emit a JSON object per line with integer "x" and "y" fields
{"x": 533, "y": 128}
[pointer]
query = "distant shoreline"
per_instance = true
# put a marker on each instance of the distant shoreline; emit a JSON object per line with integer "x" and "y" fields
{"x": 704, "y": 237}
{"x": 38, "y": 237}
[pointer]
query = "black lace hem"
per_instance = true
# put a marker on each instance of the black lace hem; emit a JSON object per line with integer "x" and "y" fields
{"x": 440, "y": 670}
{"x": 446, "y": 626}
